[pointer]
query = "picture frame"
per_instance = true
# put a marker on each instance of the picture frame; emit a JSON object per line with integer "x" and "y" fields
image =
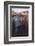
{"x": 18, "y": 8}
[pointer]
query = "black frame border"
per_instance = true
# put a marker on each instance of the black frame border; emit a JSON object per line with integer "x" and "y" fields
{"x": 6, "y": 22}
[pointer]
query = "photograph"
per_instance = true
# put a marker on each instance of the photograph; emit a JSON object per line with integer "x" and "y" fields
{"x": 18, "y": 22}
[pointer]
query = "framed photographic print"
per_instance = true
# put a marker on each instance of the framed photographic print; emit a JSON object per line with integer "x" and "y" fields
{"x": 18, "y": 22}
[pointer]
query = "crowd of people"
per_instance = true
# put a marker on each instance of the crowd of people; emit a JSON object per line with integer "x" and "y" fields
{"x": 19, "y": 24}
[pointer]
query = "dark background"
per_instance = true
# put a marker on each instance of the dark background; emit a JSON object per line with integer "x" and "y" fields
{"x": 17, "y": 27}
